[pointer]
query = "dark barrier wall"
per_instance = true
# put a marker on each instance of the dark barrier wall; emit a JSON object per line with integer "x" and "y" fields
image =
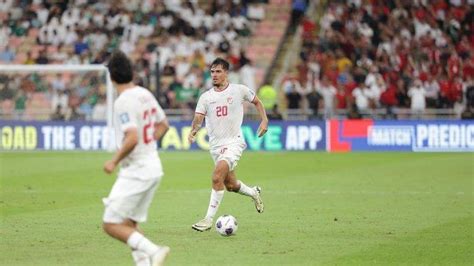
{"x": 331, "y": 135}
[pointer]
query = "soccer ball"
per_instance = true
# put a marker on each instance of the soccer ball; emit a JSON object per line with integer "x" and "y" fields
{"x": 226, "y": 225}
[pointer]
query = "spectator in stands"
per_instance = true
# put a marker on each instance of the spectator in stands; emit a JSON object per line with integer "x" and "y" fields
{"x": 20, "y": 103}
{"x": 417, "y": 97}
{"x": 99, "y": 111}
{"x": 388, "y": 99}
{"x": 293, "y": 92}
{"x": 298, "y": 8}
{"x": 80, "y": 46}
{"x": 70, "y": 36}
{"x": 342, "y": 61}
{"x": 58, "y": 114}
{"x": 354, "y": 112}
{"x": 75, "y": 115}
{"x": 60, "y": 97}
{"x": 328, "y": 93}
{"x": 42, "y": 58}
{"x": 468, "y": 112}
{"x": 5, "y": 32}
{"x": 29, "y": 59}
{"x": 402, "y": 97}
{"x": 247, "y": 72}
{"x": 274, "y": 114}
{"x": 314, "y": 99}
{"x": 6, "y": 92}
{"x": 431, "y": 87}
{"x": 58, "y": 83}
{"x": 7, "y": 55}
{"x": 256, "y": 11}
{"x": 362, "y": 98}
{"x": 341, "y": 97}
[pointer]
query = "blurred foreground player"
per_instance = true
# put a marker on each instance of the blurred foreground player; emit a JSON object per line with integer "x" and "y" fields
{"x": 139, "y": 122}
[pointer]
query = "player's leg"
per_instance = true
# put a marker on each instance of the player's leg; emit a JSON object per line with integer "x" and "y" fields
{"x": 232, "y": 184}
{"x": 124, "y": 209}
{"x": 217, "y": 193}
{"x": 129, "y": 235}
{"x": 139, "y": 257}
{"x": 119, "y": 231}
{"x": 233, "y": 154}
{"x": 140, "y": 213}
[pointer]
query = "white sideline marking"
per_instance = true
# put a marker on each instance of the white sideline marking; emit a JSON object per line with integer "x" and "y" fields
{"x": 279, "y": 192}
{"x": 328, "y": 192}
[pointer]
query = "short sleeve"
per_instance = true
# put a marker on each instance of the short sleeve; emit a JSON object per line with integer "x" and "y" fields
{"x": 126, "y": 115}
{"x": 201, "y": 107}
{"x": 249, "y": 95}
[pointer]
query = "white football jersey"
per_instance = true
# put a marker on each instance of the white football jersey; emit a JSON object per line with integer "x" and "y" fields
{"x": 138, "y": 108}
{"x": 224, "y": 113}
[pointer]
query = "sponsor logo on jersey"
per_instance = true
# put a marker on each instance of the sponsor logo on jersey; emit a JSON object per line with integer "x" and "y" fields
{"x": 229, "y": 100}
{"x": 124, "y": 118}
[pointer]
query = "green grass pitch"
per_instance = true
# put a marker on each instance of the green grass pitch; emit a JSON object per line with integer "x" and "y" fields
{"x": 321, "y": 209}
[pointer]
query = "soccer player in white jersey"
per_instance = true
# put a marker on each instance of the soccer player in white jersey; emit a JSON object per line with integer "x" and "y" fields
{"x": 139, "y": 122}
{"x": 222, "y": 107}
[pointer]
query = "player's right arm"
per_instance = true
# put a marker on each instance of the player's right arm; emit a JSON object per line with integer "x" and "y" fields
{"x": 195, "y": 126}
{"x": 130, "y": 140}
{"x": 129, "y": 126}
{"x": 201, "y": 110}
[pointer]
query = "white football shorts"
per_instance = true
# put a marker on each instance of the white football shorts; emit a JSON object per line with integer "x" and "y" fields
{"x": 230, "y": 153}
{"x": 129, "y": 198}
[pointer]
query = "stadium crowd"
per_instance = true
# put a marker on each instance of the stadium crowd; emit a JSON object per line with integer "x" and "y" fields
{"x": 177, "y": 39}
{"x": 360, "y": 58}
{"x": 368, "y": 55}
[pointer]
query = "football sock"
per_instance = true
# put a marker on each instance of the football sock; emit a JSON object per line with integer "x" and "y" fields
{"x": 139, "y": 242}
{"x": 140, "y": 258}
{"x": 216, "y": 198}
{"x": 246, "y": 190}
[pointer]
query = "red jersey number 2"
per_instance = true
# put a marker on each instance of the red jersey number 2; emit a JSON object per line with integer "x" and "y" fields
{"x": 221, "y": 111}
{"x": 149, "y": 117}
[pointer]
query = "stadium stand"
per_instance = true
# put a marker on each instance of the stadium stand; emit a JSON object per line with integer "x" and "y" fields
{"x": 379, "y": 59}
{"x": 171, "y": 42}
{"x": 384, "y": 59}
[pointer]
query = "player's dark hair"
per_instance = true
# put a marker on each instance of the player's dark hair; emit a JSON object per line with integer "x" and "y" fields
{"x": 220, "y": 62}
{"x": 120, "y": 68}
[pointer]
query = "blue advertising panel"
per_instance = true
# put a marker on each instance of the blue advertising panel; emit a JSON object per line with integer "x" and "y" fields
{"x": 401, "y": 135}
{"x": 21, "y": 135}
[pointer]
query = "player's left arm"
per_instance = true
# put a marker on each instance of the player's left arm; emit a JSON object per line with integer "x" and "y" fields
{"x": 262, "y": 129}
{"x": 161, "y": 125}
{"x": 130, "y": 140}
